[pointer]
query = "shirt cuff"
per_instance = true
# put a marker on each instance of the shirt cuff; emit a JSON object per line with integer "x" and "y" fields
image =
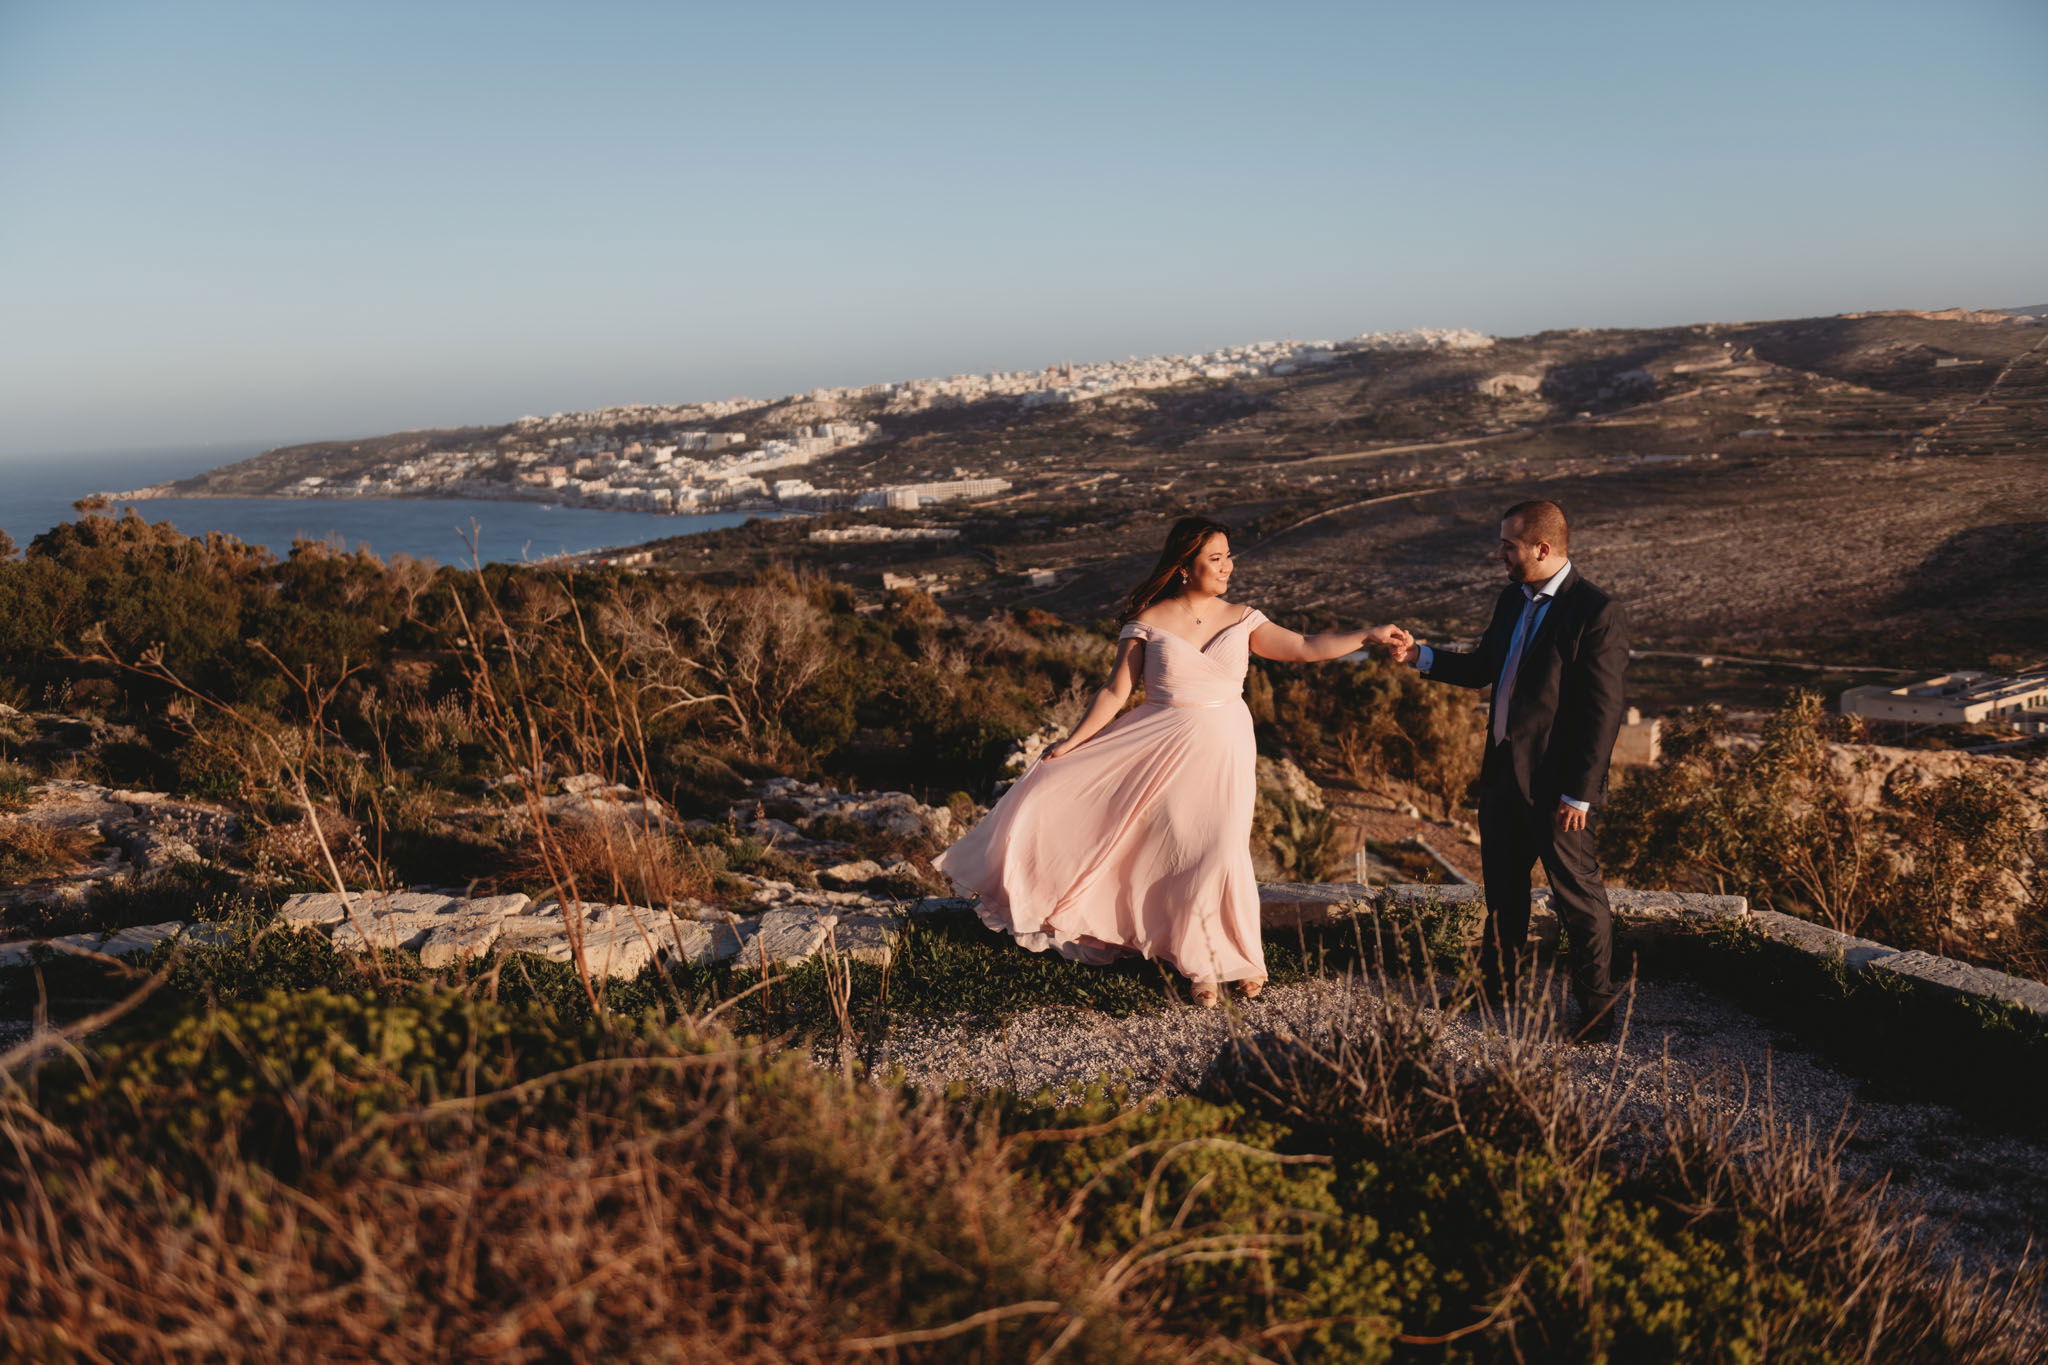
{"x": 1424, "y": 657}
{"x": 1575, "y": 803}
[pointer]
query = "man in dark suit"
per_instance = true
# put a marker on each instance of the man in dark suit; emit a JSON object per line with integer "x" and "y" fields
{"x": 1555, "y": 655}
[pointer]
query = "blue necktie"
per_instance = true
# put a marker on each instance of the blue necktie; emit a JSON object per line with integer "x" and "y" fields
{"x": 1505, "y": 688}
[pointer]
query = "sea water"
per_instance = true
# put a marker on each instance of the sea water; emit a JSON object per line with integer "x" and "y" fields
{"x": 39, "y": 490}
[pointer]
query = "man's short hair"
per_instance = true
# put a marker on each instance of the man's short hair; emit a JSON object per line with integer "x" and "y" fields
{"x": 1541, "y": 520}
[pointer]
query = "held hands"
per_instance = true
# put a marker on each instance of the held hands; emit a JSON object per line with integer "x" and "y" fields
{"x": 1396, "y": 640}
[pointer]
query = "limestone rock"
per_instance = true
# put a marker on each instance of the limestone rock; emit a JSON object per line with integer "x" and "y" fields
{"x": 1028, "y": 750}
{"x": 781, "y": 938}
{"x": 701, "y": 942}
{"x": 847, "y": 875}
{"x": 140, "y": 938}
{"x": 893, "y": 813}
{"x": 867, "y": 938}
{"x": 1285, "y": 777}
{"x": 402, "y": 919}
{"x": 313, "y": 910}
{"x": 471, "y": 928}
{"x": 535, "y": 930}
{"x": 1509, "y": 385}
{"x": 620, "y": 951}
{"x": 769, "y": 893}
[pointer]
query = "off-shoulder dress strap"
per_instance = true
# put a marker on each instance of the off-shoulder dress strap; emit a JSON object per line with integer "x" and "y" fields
{"x": 1253, "y": 617}
{"x": 1138, "y": 630}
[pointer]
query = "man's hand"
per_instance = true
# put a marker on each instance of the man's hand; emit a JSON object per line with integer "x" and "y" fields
{"x": 1569, "y": 817}
{"x": 1408, "y": 651}
{"x": 1392, "y": 637}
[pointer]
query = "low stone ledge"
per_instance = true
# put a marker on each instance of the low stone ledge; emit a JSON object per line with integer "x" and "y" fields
{"x": 1294, "y": 905}
{"x": 1818, "y": 940}
{"x": 1289, "y": 903}
{"x": 1960, "y": 978}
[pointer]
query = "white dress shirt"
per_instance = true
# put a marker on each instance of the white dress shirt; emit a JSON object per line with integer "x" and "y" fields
{"x": 1535, "y": 606}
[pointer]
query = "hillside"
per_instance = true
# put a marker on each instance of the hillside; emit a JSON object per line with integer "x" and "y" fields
{"x": 1862, "y": 489}
{"x": 1845, "y": 490}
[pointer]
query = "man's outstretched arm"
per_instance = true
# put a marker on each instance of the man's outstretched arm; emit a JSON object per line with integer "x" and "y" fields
{"x": 1461, "y": 668}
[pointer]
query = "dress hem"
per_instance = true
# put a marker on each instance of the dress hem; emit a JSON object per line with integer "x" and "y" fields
{"x": 1083, "y": 948}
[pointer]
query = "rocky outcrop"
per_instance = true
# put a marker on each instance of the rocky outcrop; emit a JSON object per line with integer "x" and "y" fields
{"x": 129, "y": 834}
{"x": 808, "y": 807}
{"x": 1510, "y": 385}
{"x": 1285, "y": 776}
{"x": 1870, "y": 772}
{"x": 616, "y": 941}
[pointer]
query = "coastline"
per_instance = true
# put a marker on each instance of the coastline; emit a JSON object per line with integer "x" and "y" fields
{"x": 751, "y": 509}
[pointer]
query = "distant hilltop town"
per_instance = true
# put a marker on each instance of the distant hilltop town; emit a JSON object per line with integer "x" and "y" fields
{"x": 703, "y": 456}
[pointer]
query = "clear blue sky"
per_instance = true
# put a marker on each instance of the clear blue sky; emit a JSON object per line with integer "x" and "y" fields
{"x": 278, "y": 220}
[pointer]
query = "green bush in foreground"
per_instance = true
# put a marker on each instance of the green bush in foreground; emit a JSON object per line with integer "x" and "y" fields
{"x": 434, "y": 1176}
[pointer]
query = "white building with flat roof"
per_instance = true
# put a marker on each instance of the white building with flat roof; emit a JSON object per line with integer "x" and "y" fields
{"x": 1962, "y": 698}
{"x": 911, "y": 496}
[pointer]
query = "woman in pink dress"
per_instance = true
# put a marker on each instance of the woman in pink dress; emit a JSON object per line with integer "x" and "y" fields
{"x": 1133, "y": 834}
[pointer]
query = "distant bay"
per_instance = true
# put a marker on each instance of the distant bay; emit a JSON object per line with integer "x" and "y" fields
{"x": 39, "y": 491}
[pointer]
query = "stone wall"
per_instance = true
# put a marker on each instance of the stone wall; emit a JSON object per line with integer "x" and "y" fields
{"x": 792, "y": 925}
{"x": 1644, "y": 917}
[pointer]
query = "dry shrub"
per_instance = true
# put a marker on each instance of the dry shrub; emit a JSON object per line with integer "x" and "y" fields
{"x": 1950, "y": 867}
{"x": 296, "y": 849}
{"x": 30, "y": 849}
{"x": 609, "y": 859}
{"x": 1630, "y": 1216}
{"x": 17, "y": 784}
{"x": 433, "y": 1177}
{"x": 314, "y": 1179}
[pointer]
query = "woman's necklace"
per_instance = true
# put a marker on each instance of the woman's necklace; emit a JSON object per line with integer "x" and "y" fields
{"x": 1191, "y": 610}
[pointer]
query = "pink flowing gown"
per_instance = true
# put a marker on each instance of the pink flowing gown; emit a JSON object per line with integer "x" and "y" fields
{"x": 1138, "y": 841}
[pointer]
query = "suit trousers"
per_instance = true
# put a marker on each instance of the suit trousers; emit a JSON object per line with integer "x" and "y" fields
{"x": 1513, "y": 836}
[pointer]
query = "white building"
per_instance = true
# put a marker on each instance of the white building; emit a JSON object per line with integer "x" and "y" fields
{"x": 1961, "y": 698}
{"x": 911, "y": 496}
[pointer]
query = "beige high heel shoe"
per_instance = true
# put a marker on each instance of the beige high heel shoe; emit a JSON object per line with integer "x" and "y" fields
{"x": 1251, "y": 986}
{"x": 1203, "y": 995}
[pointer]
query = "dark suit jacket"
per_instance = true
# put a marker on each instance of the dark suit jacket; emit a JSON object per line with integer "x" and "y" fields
{"x": 1568, "y": 705}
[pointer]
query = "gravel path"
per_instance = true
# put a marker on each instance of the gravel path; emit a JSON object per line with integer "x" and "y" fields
{"x": 1989, "y": 1190}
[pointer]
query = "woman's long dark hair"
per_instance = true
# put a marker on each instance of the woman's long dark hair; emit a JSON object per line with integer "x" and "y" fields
{"x": 1183, "y": 543}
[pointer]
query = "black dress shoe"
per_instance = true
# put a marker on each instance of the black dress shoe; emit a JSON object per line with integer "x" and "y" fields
{"x": 1598, "y": 1029}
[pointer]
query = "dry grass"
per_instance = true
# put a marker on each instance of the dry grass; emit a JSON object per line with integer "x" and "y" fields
{"x": 608, "y": 859}
{"x": 695, "y": 1202}
{"x": 30, "y": 849}
{"x": 297, "y": 1188}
